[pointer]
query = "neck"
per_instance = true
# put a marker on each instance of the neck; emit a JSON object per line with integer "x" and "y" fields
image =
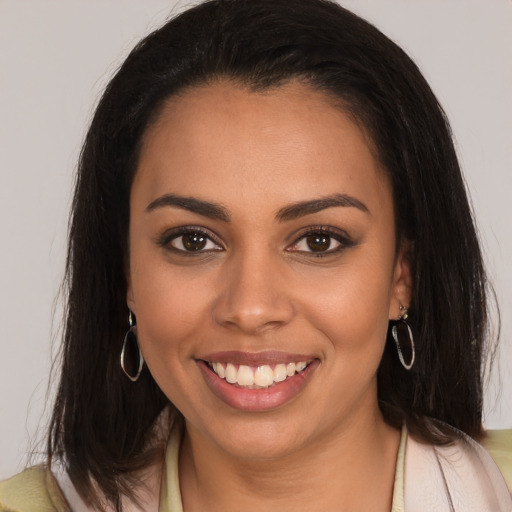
{"x": 350, "y": 468}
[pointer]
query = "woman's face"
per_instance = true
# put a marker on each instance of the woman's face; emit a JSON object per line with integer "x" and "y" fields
{"x": 261, "y": 241}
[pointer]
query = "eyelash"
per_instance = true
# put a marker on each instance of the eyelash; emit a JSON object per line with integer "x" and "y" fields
{"x": 334, "y": 234}
{"x": 169, "y": 236}
{"x": 339, "y": 236}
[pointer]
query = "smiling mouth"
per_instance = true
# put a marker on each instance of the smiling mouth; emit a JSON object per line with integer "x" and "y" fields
{"x": 258, "y": 377}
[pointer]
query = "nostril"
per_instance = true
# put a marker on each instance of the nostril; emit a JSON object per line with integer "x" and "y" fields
{"x": 252, "y": 294}
{"x": 253, "y": 316}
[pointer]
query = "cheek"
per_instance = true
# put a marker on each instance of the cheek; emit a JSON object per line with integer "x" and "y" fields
{"x": 350, "y": 305}
{"x": 171, "y": 312}
{"x": 171, "y": 308}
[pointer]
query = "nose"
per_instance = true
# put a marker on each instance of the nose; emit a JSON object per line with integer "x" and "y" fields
{"x": 254, "y": 296}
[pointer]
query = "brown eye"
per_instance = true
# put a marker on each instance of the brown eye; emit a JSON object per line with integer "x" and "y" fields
{"x": 318, "y": 242}
{"x": 191, "y": 241}
{"x": 194, "y": 241}
{"x": 321, "y": 242}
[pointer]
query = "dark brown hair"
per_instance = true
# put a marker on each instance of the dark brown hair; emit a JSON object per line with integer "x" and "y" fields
{"x": 102, "y": 422}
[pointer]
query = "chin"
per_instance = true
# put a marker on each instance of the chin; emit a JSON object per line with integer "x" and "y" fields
{"x": 257, "y": 437}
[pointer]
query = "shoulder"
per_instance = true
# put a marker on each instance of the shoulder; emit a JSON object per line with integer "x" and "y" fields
{"x": 32, "y": 490}
{"x": 499, "y": 445}
{"x": 459, "y": 476}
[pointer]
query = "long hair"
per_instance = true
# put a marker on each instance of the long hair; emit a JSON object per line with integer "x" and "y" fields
{"x": 102, "y": 424}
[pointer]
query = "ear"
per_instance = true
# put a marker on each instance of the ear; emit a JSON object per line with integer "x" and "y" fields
{"x": 401, "y": 287}
{"x": 130, "y": 301}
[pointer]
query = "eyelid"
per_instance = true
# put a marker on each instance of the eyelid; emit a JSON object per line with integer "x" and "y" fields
{"x": 338, "y": 234}
{"x": 169, "y": 235}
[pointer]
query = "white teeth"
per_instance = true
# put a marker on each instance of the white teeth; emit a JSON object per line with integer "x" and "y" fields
{"x": 300, "y": 366}
{"x": 231, "y": 373}
{"x": 279, "y": 373}
{"x": 245, "y": 377}
{"x": 262, "y": 377}
{"x": 219, "y": 369}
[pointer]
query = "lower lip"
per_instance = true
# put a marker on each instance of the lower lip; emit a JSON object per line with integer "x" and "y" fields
{"x": 257, "y": 400}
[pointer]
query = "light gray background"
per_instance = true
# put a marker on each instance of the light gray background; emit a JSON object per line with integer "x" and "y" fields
{"x": 55, "y": 58}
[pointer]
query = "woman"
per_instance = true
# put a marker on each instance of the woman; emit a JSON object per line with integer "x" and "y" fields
{"x": 276, "y": 294}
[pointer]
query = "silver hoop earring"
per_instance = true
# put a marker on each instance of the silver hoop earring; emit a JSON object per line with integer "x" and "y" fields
{"x": 402, "y": 334}
{"x": 132, "y": 360}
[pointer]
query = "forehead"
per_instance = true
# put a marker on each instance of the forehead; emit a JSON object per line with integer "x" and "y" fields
{"x": 284, "y": 144}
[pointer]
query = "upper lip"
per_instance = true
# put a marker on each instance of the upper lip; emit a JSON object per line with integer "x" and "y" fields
{"x": 255, "y": 358}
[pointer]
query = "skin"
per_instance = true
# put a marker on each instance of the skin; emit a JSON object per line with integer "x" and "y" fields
{"x": 258, "y": 286}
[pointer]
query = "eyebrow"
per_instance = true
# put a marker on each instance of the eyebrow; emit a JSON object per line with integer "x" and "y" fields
{"x": 293, "y": 211}
{"x": 192, "y": 204}
{"x": 303, "y": 208}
